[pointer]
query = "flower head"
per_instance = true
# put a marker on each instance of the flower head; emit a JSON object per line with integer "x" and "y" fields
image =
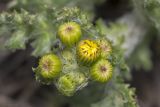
{"x": 69, "y": 33}
{"x": 88, "y": 51}
{"x": 48, "y": 69}
{"x": 101, "y": 71}
{"x": 106, "y": 48}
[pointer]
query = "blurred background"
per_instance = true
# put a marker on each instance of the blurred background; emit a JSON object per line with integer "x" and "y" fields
{"x": 18, "y": 87}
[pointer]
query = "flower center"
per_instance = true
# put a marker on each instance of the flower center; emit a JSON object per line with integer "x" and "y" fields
{"x": 103, "y": 69}
{"x": 47, "y": 66}
{"x": 69, "y": 28}
{"x": 103, "y": 47}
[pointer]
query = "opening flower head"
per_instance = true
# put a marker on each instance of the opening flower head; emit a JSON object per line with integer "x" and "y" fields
{"x": 88, "y": 51}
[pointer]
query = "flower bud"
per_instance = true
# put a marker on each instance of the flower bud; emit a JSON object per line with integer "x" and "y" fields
{"x": 69, "y": 83}
{"x": 48, "y": 69}
{"x": 106, "y": 48}
{"x": 101, "y": 71}
{"x": 66, "y": 85}
{"x": 69, "y": 33}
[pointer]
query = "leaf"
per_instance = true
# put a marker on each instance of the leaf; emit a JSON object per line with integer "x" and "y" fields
{"x": 119, "y": 95}
{"x": 18, "y": 40}
{"x": 149, "y": 8}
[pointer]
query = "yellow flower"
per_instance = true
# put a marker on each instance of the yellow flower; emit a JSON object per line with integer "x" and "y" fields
{"x": 88, "y": 51}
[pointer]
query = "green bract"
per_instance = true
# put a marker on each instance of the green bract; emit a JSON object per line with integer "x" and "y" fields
{"x": 101, "y": 71}
{"x": 69, "y": 33}
{"x": 48, "y": 69}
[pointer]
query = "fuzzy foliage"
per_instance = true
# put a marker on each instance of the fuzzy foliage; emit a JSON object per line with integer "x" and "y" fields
{"x": 40, "y": 29}
{"x": 149, "y": 8}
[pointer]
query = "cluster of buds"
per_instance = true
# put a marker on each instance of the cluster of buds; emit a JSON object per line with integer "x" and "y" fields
{"x": 62, "y": 68}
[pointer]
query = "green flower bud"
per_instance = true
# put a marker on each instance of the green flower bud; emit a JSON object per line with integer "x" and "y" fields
{"x": 106, "y": 48}
{"x": 48, "y": 69}
{"x": 88, "y": 51}
{"x": 101, "y": 71}
{"x": 69, "y": 33}
{"x": 69, "y": 83}
{"x": 66, "y": 85}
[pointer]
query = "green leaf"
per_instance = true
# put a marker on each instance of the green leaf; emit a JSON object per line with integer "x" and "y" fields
{"x": 18, "y": 40}
{"x": 119, "y": 95}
